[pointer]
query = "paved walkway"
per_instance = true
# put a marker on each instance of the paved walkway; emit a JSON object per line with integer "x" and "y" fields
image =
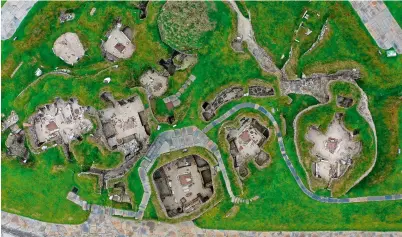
{"x": 174, "y": 100}
{"x": 99, "y": 209}
{"x": 99, "y": 224}
{"x": 289, "y": 163}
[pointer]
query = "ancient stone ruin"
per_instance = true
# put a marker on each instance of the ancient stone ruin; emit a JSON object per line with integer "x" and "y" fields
{"x": 260, "y": 91}
{"x": 237, "y": 45}
{"x": 184, "y": 185}
{"x": 118, "y": 44}
{"x": 154, "y": 82}
{"x": 118, "y": 192}
{"x": 142, "y": 6}
{"x": 15, "y": 142}
{"x": 334, "y": 150}
{"x": 66, "y": 16}
{"x": 245, "y": 143}
{"x": 173, "y": 101}
{"x": 316, "y": 84}
{"x": 60, "y": 123}
{"x": 184, "y": 61}
{"x": 344, "y": 102}
{"x": 178, "y": 62}
{"x": 124, "y": 125}
{"x": 68, "y": 47}
{"x": 222, "y": 98}
{"x": 11, "y": 123}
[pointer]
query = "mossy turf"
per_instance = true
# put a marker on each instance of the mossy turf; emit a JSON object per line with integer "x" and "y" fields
{"x": 186, "y": 25}
{"x": 275, "y": 34}
{"x": 39, "y": 189}
{"x": 88, "y": 153}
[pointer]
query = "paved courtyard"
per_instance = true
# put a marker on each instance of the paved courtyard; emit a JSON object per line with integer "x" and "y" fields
{"x": 380, "y": 23}
{"x": 12, "y": 14}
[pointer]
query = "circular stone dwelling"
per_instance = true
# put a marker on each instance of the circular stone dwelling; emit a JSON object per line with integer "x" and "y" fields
{"x": 184, "y": 185}
{"x": 118, "y": 44}
{"x": 68, "y": 47}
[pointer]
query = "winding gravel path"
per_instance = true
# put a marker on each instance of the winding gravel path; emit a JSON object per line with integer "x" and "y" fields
{"x": 289, "y": 163}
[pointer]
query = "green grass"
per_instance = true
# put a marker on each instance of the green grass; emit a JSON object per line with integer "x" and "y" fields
{"x": 350, "y": 45}
{"x": 35, "y": 50}
{"x": 387, "y": 173}
{"x": 186, "y": 26}
{"x": 32, "y": 190}
{"x": 286, "y": 205}
{"x": 88, "y": 153}
{"x": 275, "y": 34}
{"x": 395, "y": 8}
{"x": 283, "y": 206}
{"x": 39, "y": 189}
{"x": 243, "y": 8}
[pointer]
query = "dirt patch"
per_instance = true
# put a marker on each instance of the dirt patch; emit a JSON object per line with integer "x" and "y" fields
{"x": 334, "y": 149}
{"x": 343, "y": 101}
{"x": 154, "y": 82}
{"x": 68, "y": 47}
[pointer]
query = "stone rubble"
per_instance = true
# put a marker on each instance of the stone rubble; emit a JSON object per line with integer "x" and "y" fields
{"x": 316, "y": 84}
{"x": 15, "y": 142}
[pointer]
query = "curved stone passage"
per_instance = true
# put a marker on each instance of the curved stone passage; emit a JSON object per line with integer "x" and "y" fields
{"x": 289, "y": 163}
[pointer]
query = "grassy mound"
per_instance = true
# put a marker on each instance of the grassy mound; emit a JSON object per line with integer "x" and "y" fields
{"x": 186, "y": 26}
